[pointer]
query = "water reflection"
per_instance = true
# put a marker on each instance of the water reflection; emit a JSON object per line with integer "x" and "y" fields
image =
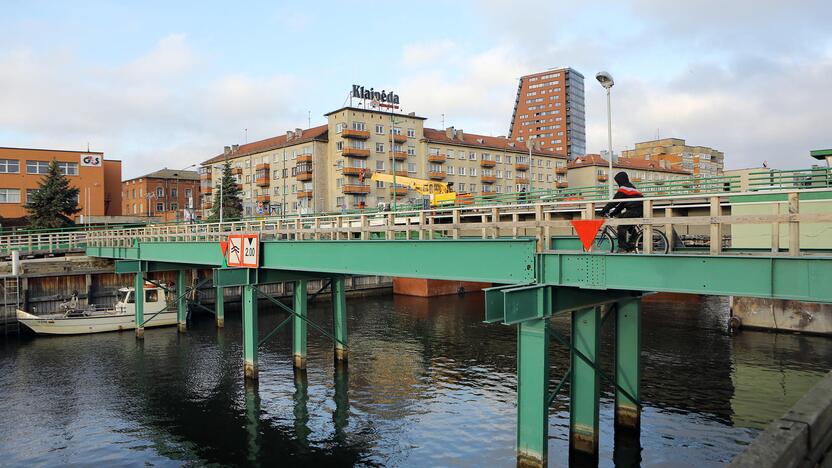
{"x": 427, "y": 384}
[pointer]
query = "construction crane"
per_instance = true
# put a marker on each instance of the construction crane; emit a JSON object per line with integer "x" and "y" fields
{"x": 439, "y": 193}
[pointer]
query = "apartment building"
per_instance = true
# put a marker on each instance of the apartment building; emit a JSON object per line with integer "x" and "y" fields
{"x": 329, "y": 167}
{"x": 549, "y": 109}
{"x": 167, "y": 193}
{"x": 591, "y": 169}
{"x": 22, "y": 169}
{"x": 698, "y": 160}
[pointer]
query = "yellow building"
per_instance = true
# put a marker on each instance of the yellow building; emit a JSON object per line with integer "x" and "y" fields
{"x": 328, "y": 168}
{"x": 592, "y": 169}
{"x": 698, "y": 160}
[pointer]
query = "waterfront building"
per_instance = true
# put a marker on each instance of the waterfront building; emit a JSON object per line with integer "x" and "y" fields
{"x": 167, "y": 193}
{"x": 22, "y": 169}
{"x": 698, "y": 160}
{"x": 329, "y": 167}
{"x": 549, "y": 108}
{"x": 591, "y": 169}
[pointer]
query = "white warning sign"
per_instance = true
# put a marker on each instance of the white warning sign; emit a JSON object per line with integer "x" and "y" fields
{"x": 243, "y": 250}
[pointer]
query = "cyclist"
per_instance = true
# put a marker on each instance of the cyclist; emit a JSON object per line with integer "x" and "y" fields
{"x": 625, "y": 209}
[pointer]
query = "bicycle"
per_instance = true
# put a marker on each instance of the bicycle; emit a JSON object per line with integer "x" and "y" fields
{"x": 607, "y": 240}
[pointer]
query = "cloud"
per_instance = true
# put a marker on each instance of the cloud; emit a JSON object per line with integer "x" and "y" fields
{"x": 427, "y": 53}
{"x": 156, "y": 110}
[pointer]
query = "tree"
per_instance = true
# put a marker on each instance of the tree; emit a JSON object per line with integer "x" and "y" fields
{"x": 231, "y": 202}
{"x": 53, "y": 202}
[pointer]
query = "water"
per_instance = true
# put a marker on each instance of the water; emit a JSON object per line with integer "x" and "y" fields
{"x": 428, "y": 385}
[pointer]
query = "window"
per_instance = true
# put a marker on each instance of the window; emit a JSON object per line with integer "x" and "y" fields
{"x": 359, "y": 126}
{"x": 248, "y": 179}
{"x": 379, "y": 184}
{"x": 450, "y": 154}
{"x": 498, "y": 158}
{"x": 174, "y": 193}
{"x": 68, "y": 168}
{"x": 379, "y": 129}
{"x": 461, "y": 186}
{"x": 30, "y": 193}
{"x": 508, "y": 159}
{"x": 188, "y": 193}
{"x": 473, "y": 171}
{"x": 285, "y": 173}
{"x": 379, "y": 165}
{"x": 449, "y": 170}
{"x": 339, "y": 145}
{"x": 396, "y": 131}
{"x": 411, "y": 133}
{"x": 160, "y": 192}
{"x": 9, "y": 166}
{"x": 461, "y": 170}
{"x": 473, "y": 188}
{"x": 339, "y": 127}
{"x": 379, "y": 147}
{"x": 472, "y": 156}
{"x": 276, "y": 174}
{"x": 37, "y": 167}
{"x": 174, "y": 206}
{"x": 411, "y": 151}
{"x": 411, "y": 167}
{"x": 160, "y": 207}
{"x": 151, "y": 295}
{"x": 339, "y": 201}
{"x": 433, "y": 151}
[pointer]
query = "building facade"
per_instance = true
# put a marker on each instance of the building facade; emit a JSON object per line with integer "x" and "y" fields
{"x": 549, "y": 108}
{"x": 22, "y": 169}
{"x": 593, "y": 170}
{"x": 329, "y": 167}
{"x": 168, "y": 194}
{"x": 698, "y": 160}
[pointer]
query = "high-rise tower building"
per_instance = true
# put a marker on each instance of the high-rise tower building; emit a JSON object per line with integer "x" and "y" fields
{"x": 550, "y": 110}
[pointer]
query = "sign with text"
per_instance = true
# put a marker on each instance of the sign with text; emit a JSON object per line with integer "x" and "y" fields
{"x": 91, "y": 159}
{"x": 243, "y": 250}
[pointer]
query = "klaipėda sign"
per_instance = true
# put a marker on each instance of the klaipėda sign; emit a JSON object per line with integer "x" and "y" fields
{"x": 381, "y": 96}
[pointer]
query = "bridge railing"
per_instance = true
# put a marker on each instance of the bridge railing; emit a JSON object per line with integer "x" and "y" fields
{"x": 713, "y": 211}
{"x": 798, "y": 179}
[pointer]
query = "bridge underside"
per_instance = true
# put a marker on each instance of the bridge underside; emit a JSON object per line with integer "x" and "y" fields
{"x": 533, "y": 287}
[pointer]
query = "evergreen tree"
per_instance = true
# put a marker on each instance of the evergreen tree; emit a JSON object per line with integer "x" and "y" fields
{"x": 232, "y": 203}
{"x": 53, "y": 202}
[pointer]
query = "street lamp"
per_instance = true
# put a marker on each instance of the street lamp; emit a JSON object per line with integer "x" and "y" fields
{"x": 606, "y": 81}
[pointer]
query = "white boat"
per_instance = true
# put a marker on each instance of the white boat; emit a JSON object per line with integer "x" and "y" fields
{"x": 74, "y": 321}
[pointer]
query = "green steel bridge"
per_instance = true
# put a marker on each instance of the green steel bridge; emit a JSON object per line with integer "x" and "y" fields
{"x": 538, "y": 273}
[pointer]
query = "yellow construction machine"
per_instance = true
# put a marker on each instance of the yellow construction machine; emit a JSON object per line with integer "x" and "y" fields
{"x": 439, "y": 193}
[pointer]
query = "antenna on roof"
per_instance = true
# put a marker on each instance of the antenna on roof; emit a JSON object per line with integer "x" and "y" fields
{"x": 245, "y": 136}
{"x": 443, "y": 121}
{"x": 88, "y": 147}
{"x": 309, "y": 119}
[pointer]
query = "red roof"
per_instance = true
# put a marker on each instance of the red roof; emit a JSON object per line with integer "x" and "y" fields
{"x": 623, "y": 163}
{"x": 309, "y": 134}
{"x": 433, "y": 135}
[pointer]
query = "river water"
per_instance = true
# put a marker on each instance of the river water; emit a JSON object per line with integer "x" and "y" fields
{"x": 428, "y": 384}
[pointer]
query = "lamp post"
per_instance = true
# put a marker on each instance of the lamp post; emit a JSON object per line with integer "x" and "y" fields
{"x": 606, "y": 81}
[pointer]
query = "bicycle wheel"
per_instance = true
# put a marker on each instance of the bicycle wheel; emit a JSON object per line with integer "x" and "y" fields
{"x": 660, "y": 243}
{"x": 603, "y": 242}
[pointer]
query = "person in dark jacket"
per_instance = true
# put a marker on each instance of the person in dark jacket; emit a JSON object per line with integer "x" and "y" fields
{"x": 625, "y": 209}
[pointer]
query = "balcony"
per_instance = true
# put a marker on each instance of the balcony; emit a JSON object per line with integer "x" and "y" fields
{"x": 487, "y": 179}
{"x": 521, "y": 180}
{"x": 262, "y": 166}
{"x": 356, "y": 171}
{"x": 204, "y": 175}
{"x": 399, "y": 191}
{"x": 304, "y": 158}
{"x": 436, "y": 175}
{"x": 236, "y": 170}
{"x": 601, "y": 177}
{"x": 521, "y": 167}
{"x": 303, "y": 176}
{"x": 355, "y": 189}
{"x": 562, "y": 184}
{"x": 356, "y": 134}
{"x": 399, "y": 139}
{"x": 436, "y": 158}
{"x": 487, "y": 163}
{"x": 263, "y": 198}
{"x": 560, "y": 170}
{"x": 206, "y": 190}
{"x": 305, "y": 194}
{"x": 399, "y": 156}
{"x": 262, "y": 181}
{"x": 356, "y": 152}
{"x": 401, "y": 173}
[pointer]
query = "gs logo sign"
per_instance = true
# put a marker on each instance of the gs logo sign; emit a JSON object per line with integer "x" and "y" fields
{"x": 91, "y": 160}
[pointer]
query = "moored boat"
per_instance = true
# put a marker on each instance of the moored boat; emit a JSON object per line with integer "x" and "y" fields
{"x": 73, "y": 320}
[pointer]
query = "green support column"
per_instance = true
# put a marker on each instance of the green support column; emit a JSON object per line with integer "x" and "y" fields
{"x": 585, "y": 388}
{"x": 219, "y": 306}
{"x": 628, "y": 364}
{"x": 339, "y": 317}
{"x": 299, "y": 325}
{"x": 138, "y": 291}
{"x": 532, "y": 387}
{"x": 250, "y": 332}
{"x": 181, "y": 301}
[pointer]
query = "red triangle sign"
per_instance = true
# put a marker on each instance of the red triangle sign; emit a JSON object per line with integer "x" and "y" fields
{"x": 224, "y": 247}
{"x": 587, "y": 229}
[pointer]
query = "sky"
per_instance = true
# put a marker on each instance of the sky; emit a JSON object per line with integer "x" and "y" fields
{"x": 168, "y": 84}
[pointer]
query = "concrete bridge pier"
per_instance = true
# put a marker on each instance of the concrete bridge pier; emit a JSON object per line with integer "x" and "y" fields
{"x": 628, "y": 367}
{"x": 299, "y": 324}
{"x": 585, "y": 390}
{"x": 138, "y": 292}
{"x": 181, "y": 302}
{"x": 251, "y": 340}
{"x": 219, "y": 306}
{"x": 339, "y": 319}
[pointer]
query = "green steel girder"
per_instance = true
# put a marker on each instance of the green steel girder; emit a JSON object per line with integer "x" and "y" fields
{"x": 804, "y": 278}
{"x": 135, "y": 266}
{"x": 495, "y": 261}
{"x": 515, "y": 304}
{"x": 229, "y": 277}
{"x": 113, "y": 252}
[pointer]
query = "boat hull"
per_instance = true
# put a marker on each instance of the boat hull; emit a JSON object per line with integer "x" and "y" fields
{"x": 93, "y": 324}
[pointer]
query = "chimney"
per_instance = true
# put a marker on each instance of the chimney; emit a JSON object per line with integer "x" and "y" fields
{"x": 226, "y": 150}
{"x": 450, "y": 133}
{"x": 298, "y": 132}
{"x": 289, "y": 134}
{"x": 460, "y": 135}
{"x": 234, "y": 148}
{"x": 412, "y": 114}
